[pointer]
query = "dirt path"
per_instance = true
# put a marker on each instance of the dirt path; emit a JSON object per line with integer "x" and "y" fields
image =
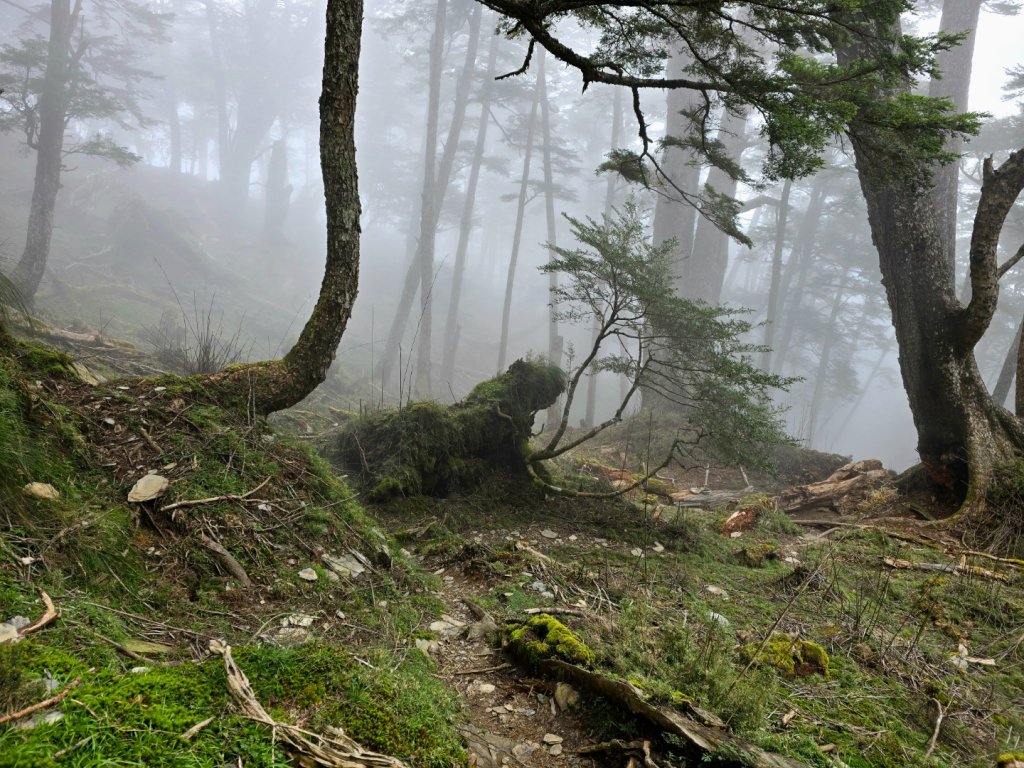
{"x": 513, "y": 718}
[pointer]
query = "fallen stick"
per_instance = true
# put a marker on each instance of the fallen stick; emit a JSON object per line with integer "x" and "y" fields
{"x": 150, "y": 441}
{"x": 50, "y": 613}
{"x": 956, "y": 570}
{"x": 556, "y": 611}
{"x": 231, "y": 565}
{"x": 938, "y": 727}
{"x": 212, "y": 499}
{"x": 331, "y": 751}
{"x": 498, "y": 668}
{"x": 42, "y": 704}
{"x": 705, "y": 737}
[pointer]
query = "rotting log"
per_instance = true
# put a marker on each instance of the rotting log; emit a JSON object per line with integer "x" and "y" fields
{"x": 840, "y": 491}
{"x": 707, "y": 737}
{"x": 428, "y": 448}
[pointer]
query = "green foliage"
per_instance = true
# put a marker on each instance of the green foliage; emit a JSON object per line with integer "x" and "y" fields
{"x": 544, "y": 637}
{"x": 685, "y": 353}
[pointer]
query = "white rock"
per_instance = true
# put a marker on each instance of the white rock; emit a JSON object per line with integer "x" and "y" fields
{"x": 486, "y": 688}
{"x": 139, "y": 670}
{"x": 427, "y": 646}
{"x": 566, "y": 697}
{"x": 636, "y": 552}
{"x": 298, "y": 620}
{"x": 547, "y": 595}
{"x": 719, "y": 618}
{"x": 551, "y": 738}
{"x": 716, "y": 591}
{"x": 148, "y": 487}
{"x": 547, "y": 533}
{"x": 9, "y": 634}
{"x": 291, "y": 637}
{"x": 538, "y": 586}
{"x": 348, "y": 566}
{"x": 658, "y": 548}
{"x": 308, "y": 574}
{"x": 555, "y": 750}
{"x": 42, "y": 491}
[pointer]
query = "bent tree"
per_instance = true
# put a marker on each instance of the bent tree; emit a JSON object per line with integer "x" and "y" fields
{"x": 811, "y": 71}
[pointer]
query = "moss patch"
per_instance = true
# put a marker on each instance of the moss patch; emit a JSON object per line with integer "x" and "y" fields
{"x": 788, "y": 655}
{"x": 544, "y": 637}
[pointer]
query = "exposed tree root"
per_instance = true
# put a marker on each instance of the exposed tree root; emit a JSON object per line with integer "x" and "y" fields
{"x": 707, "y": 738}
{"x": 42, "y": 704}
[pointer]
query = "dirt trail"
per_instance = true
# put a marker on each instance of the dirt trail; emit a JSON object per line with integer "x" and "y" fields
{"x": 513, "y": 718}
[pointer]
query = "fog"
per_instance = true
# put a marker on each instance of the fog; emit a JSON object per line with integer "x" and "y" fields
{"x": 218, "y": 220}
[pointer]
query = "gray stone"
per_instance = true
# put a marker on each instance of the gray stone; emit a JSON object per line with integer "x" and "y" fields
{"x": 547, "y": 533}
{"x": 551, "y": 738}
{"x": 555, "y": 750}
{"x": 291, "y": 637}
{"x": 348, "y": 566}
{"x": 308, "y": 574}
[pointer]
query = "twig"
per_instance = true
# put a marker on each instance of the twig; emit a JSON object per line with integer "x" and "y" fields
{"x": 213, "y": 499}
{"x": 187, "y": 735}
{"x": 42, "y": 704}
{"x": 938, "y": 726}
{"x": 555, "y": 611}
{"x": 498, "y": 668}
{"x": 49, "y": 615}
{"x": 956, "y": 570}
{"x": 231, "y": 565}
{"x": 150, "y": 441}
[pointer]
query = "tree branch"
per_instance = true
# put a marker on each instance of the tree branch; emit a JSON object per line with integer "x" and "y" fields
{"x": 999, "y": 191}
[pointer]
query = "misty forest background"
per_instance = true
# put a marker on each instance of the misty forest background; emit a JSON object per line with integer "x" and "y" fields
{"x": 191, "y": 203}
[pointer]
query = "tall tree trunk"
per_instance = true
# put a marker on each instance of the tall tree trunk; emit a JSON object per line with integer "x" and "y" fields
{"x": 554, "y": 340}
{"x": 49, "y": 145}
{"x": 958, "y": 16}
{"x": 609, "y": 202}
{"x": 781, "y": 219}
{"x": 675, "y": 219}
{"x": 703, "y": 275}
{"x": 517, "y": 236}
{"x": 277, "y": 191}
{"x": 799, "y": 266}
{"x": 220, "y": 87}
{"x": 414, "y": 278}
{"x": 1006, "y": 374}
{"x": 827, "y": 343}
{"x": 270, "y": 386}
{"x": 451, "y": 328}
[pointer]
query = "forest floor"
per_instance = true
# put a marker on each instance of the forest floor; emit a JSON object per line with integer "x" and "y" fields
{"x": 874, "y": 640}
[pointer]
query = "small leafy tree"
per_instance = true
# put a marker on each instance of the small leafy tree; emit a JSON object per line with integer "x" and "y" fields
{"x": 684, "y": 352}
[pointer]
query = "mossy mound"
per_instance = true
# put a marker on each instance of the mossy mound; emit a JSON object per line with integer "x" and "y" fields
{"x": 788, "y": 655}
{"x": 121, "y": 573}
{"x": 428, "y": 448}
{"x": 543, "y": 637}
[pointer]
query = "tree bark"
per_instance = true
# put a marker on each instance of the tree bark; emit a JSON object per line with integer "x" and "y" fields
{"x": 554, "y": 340}
{"x": 781, "y": 218}
{"x": 703, "y": 275}
{"x": 451, "y": 333}
{"x": 49, "y": 145}
{"x": 271, "y": 386}
{"x": 517, "y": 236}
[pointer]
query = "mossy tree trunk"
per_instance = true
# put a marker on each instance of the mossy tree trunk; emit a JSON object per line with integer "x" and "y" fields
{"x": 427, "y": 448}
{"x": 273, "y": 385}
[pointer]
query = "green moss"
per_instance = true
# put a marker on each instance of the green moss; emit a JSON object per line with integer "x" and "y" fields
{"x": 788, "y": 655}
{"x": 544, "y": 637}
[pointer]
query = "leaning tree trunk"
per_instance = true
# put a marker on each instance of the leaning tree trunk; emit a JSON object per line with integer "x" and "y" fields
{"x": 270, "y": 386}
{"x": 48, "y": 144}
{"x": 962, "y": 433}
{"x": 775, "y": 281}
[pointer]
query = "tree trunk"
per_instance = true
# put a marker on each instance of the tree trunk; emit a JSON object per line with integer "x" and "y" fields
{"x": 799, "y": 266}
{"x": 277, "y": 192}
{"x": 703, "y": 275}
{"x": 1007, "y": 373}
{"x": 414, "y": 277}
{"x": 609, "y": 202}
{"x": 48, "y": 144}
{"x": 821, "y": 379}
{"x": 451, "y": 328}
{"x": 270, "y": 386}
{"x": 675, "y": 219}
{"x": 958, "y": 16}
{"x": 554, "y": 340}
{"x": 517, "y": 236}
{"x": 781, "y": 218}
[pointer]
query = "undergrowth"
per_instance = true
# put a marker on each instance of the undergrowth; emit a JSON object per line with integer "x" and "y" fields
{"x": 126, "y": 576}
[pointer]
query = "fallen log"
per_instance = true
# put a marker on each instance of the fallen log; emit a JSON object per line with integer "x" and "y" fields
{"x": 840, "y": 491}
{"x": 956, "y": 569}
{"x": 707, "y": 738}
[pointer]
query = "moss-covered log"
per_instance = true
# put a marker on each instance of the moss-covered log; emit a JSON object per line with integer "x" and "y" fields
{"x": 426, "y": 448}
